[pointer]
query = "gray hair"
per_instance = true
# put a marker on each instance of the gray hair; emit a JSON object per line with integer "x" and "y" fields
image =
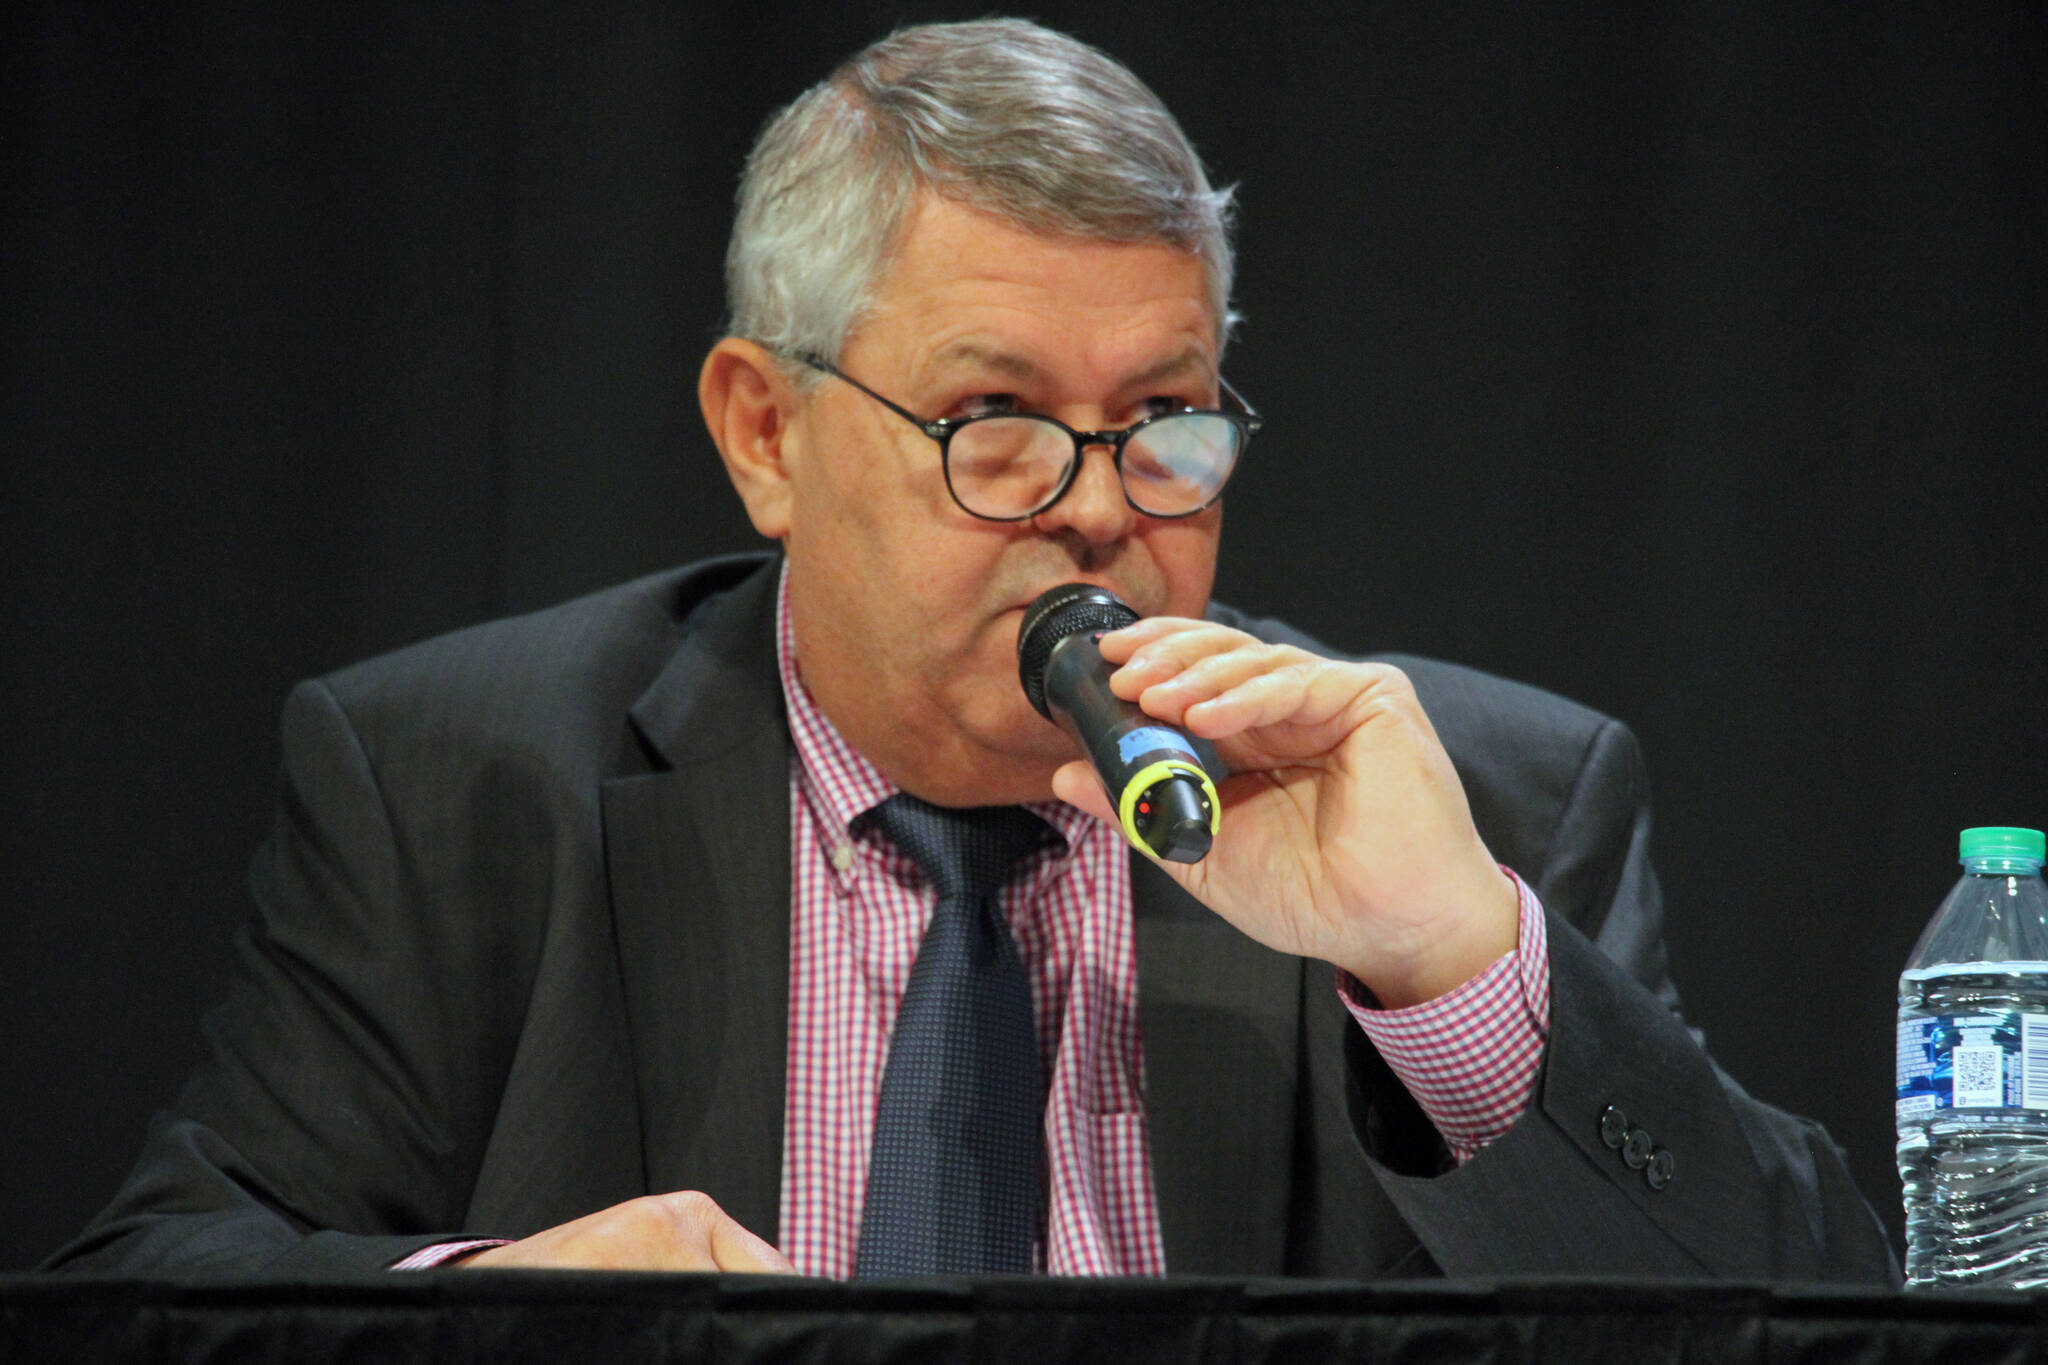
{"x": 1013, "y": 119}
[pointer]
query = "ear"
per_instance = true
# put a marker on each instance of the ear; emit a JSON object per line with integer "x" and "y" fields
{"x": 748, "y": 405}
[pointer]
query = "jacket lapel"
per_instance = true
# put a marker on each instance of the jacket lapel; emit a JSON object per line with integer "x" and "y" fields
{"x": 698, "y": 856}
{"x": 1221, "y": 1021}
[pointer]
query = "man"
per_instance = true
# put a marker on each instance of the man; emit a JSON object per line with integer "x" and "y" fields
{"x": 582, "y": 937}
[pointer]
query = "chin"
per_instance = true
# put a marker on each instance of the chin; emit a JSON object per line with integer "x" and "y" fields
{"x": 1025, "y": 735}
{"x": 1015, "y": 767}
{"x": 996, "y": 782}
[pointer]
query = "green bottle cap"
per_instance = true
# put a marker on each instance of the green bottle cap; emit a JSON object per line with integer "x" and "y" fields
{"x": 2004, "y": 841}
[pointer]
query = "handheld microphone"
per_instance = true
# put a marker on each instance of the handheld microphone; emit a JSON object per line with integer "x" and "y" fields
{"x": 1163, "y": 798}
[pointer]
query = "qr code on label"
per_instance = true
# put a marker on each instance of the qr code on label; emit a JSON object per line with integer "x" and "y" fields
{"x": 1979, "y": 1077}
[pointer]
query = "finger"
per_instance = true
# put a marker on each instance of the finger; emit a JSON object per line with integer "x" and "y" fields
{"x": 707, "y": 1238}
{"x": 1118, "y": 645}
{"x": 1076, "y": 784}
{"x": 1309, "y": 694}
{"x": 1260, "y": 699}
{"x": 1170, "y": 687}
{"x": 1172, "y": 655}
{"x": 735, "y": 1248}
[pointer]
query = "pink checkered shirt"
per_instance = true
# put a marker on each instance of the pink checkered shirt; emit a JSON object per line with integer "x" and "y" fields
{"x": 1470, "y": 1058}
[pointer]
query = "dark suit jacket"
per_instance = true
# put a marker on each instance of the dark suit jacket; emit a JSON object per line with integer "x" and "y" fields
{"x": 521, "y": 953}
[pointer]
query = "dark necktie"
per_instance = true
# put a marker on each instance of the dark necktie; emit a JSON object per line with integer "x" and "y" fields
{"x": 953, "y": 1172}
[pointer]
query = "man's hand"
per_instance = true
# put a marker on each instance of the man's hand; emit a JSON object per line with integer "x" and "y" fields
{"x": 681, "y": 1231}
{"x": 1346, "y": 835}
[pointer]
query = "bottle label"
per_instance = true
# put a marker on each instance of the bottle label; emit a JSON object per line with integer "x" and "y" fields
{"x": 1994, "y": 1060}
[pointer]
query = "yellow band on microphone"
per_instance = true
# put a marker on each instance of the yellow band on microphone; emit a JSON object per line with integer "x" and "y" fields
{"x": 1143, "y": 781}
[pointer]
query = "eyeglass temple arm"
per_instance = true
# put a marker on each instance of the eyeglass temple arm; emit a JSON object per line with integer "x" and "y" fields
{"x": 1238, "y": 398}
{"x": 935, "y": 429}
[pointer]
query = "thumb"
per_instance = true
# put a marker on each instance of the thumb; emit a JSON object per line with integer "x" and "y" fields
{"x": 1076, "y": 784}
{"x": 734, "y": 1247}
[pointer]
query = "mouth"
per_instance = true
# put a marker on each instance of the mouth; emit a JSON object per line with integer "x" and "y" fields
{"x": 1122, "y": 593}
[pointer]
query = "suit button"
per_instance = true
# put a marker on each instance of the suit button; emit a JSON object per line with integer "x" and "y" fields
{"x": 1660, "y": 1170}
{"x": 1636, "y": 1150}
{"x": 1613, "y": 1127}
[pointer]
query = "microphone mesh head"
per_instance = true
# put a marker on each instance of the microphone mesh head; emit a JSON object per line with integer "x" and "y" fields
{"x": 1059, "y": 612}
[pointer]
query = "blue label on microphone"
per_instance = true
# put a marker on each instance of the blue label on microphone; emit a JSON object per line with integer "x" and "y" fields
{"x": 1146, "y": 739}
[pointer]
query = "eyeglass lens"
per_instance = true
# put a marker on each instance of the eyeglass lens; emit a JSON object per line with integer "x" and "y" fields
{"x": 1009, "y": 466}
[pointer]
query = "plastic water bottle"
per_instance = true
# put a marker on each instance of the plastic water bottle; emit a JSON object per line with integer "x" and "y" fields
{"x": 1973, "y": 1074}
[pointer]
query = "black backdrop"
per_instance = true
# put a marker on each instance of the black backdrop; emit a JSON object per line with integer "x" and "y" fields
{"x": 1687, "y": 360}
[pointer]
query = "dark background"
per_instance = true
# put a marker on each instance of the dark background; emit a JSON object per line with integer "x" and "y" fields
{"x": 1687, "y": 360}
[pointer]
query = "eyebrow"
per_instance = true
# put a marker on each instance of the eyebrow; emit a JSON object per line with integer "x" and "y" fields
{"x": 1018, "y": 367}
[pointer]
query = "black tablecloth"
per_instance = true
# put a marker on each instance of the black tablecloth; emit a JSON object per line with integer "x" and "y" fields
{"x": 504, "y": 1316}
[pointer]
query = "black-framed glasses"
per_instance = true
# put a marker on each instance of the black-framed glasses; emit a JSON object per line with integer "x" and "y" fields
{"x": 1007, "y": 466}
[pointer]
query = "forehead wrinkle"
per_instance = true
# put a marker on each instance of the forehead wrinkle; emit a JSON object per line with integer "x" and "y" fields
{"x": 1191, "y": 358}
{"x": 973, "y": 352}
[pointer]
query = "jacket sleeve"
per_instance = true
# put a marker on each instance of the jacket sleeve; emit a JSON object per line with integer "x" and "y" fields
{"x": 1752, "y": 1192}
{"x": 333, "y": 1120}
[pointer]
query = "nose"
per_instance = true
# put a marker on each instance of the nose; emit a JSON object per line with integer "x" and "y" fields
{"x": 1094, "y": 507}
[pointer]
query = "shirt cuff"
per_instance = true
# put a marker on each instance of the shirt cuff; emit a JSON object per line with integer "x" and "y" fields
{"x": 1470, "y": 1057}
{"x": 441, "y": 1253}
